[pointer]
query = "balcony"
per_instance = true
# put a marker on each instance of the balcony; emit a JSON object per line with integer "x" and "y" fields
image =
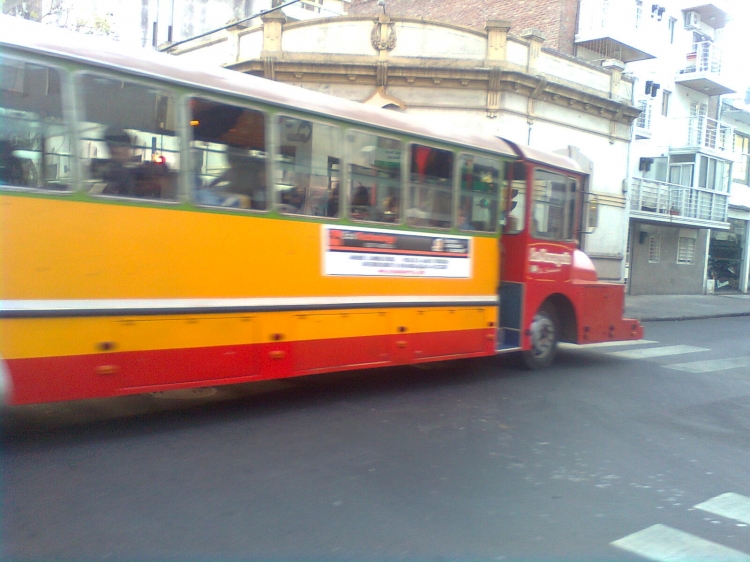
{"x": 679, "y": 205}
{"x": 702, "y": 70}
{"x": 713, "y": 14}
{"x": 615, "y": 30}
{"x": 702, "y": 133}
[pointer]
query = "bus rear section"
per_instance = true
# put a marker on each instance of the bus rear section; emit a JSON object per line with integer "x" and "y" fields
{"x": 550, "y": 291}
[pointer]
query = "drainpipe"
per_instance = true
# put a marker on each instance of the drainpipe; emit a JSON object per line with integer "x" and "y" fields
{"x": 626, "y": 191}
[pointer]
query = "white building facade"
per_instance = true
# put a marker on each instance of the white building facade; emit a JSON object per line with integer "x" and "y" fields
{"x": 684, "y": 152}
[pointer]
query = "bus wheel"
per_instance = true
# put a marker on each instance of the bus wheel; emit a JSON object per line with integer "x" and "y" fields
{"x": 543, "y": 339}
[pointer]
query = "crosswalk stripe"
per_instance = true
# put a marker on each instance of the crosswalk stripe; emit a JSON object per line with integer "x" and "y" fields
{"x": 609, "y": 344}
{"x": 664, "y": 544}
{"x": 729, "y": 505}
{"x": 711, "y": 365}
{"x": 657, "y": 351}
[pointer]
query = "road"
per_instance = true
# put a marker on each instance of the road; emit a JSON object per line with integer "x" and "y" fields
{"x": 605, "y": 456}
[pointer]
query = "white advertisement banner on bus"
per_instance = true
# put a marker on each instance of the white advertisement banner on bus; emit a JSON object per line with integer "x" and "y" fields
{"x": 357, "y": 251}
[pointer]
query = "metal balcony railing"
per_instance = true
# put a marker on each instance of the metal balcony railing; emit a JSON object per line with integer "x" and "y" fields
{"x": 702, "y": 132}
{"x": 668, "y": 201}
{"x": 704, "y": 57}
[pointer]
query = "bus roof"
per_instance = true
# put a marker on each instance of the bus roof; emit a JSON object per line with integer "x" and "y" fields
{"x": 543, "y": 157}
{"x": 105, "y": 53}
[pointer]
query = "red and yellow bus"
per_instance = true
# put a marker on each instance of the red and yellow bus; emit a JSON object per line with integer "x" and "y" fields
{"x": 165, "y": 227}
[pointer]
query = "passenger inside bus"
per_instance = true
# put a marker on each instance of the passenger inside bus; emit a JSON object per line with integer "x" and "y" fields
{"x": 361, "y": 203}
{"x": 118, "y": 172}
{"x": 245, "y": 179}
{"x": 11, "y": 167}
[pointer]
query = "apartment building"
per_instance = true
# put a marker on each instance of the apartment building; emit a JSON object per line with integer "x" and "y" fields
{"x": 685, "y": 158}
{"x": 150, "y": 23}
{"x": 683, "y": 152}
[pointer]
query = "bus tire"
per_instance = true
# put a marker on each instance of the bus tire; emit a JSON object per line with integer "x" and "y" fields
{"x": 544, "y": 333}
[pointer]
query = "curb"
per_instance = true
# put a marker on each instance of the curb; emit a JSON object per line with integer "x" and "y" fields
{"x": 695, "y": 317}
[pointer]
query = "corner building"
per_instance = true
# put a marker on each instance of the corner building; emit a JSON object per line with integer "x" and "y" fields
{"x": 481, "y": 77}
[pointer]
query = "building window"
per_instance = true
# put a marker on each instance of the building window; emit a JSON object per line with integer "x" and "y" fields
{"x": 713, "y": 174}
{"x": 741, "y": 169}
{"x": 665, "y": 102}
{"x": 644, "y": 119}
{"x": 638, "y": 13}
{"x": 686, "y": 250}
{"x": 654, "y": 247}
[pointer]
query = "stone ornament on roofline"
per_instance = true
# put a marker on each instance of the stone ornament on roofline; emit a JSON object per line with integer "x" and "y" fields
{"x": 383, "y": 35}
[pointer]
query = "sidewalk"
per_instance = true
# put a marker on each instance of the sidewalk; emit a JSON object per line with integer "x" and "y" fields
{"x": 686, "y": 307}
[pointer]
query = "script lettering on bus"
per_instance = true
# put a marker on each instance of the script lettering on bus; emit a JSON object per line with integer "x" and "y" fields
{"x": 544, "y": 261}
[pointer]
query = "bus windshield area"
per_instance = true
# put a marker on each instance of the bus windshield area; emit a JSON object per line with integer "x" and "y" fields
{"x": 553, "y": 206}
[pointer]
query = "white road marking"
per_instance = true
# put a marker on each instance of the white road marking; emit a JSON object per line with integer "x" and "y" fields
{"x": 664, "y": 544}
{"x": 729, "y": 505}
{"x": 711, "y": 365}
{"x": 607, "y": 344}
{"x": 657, "y": 351}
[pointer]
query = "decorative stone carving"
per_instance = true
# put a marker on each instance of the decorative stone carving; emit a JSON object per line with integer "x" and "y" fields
{"x": 383, "y": 35}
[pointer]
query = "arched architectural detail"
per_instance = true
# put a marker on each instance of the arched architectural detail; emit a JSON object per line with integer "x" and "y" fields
{"x": 380, "y": 99}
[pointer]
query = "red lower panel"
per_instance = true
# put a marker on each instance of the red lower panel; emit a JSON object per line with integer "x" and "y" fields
{"x": 51, "y": 379}
{"x": 323, "y": 355}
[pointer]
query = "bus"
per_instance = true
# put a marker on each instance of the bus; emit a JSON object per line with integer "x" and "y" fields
{"x": 165, "y": 227}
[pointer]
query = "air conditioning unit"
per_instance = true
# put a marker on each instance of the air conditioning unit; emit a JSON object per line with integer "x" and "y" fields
{"x": 692, "y": 20}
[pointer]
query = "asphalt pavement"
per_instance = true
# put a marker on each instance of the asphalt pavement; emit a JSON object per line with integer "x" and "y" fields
{"x": 686, "y": 307}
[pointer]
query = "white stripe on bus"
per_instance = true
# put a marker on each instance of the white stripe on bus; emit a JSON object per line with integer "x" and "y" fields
{"x": 177, "y": 304}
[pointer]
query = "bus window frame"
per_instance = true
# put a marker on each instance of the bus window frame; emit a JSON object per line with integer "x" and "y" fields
{"x": 344, "y": 194}
{"x": 177, "y": 96}
{"x": 69, "y": 113}
{"x": 408, "y": 184}
{"x": 276, "y": 143}
{"x": 570, "y": 219}
{"x": 499, "y": 163}
{"x": 187, "y": 184}
{"x": 508, "y": 198}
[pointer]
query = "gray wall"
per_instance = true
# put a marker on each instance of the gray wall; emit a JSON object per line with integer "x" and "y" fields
{"x": 666, "y": 277}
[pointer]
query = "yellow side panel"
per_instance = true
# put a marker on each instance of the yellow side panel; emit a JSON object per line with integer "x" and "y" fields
{"x": 340, "y": 325}
{"x": 159, "y": 333}
{"x": 63, "y": 249}
{"x": 52, "y": 337}
{"x": 444, "y": 320}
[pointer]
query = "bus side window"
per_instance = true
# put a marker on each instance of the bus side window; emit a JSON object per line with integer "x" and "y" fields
{"x": 479, "y": 184}
{"x": 307, "y": 170}
{"x": 228, "y": 155}
{"x": 515, "y": 200}
{"x": 375, "y": 177}
{"x": 35, "y": 140}
{"x": 431, "y": 187}
{"x": 128, "y": 139}
{"x": 552, "y": 206}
